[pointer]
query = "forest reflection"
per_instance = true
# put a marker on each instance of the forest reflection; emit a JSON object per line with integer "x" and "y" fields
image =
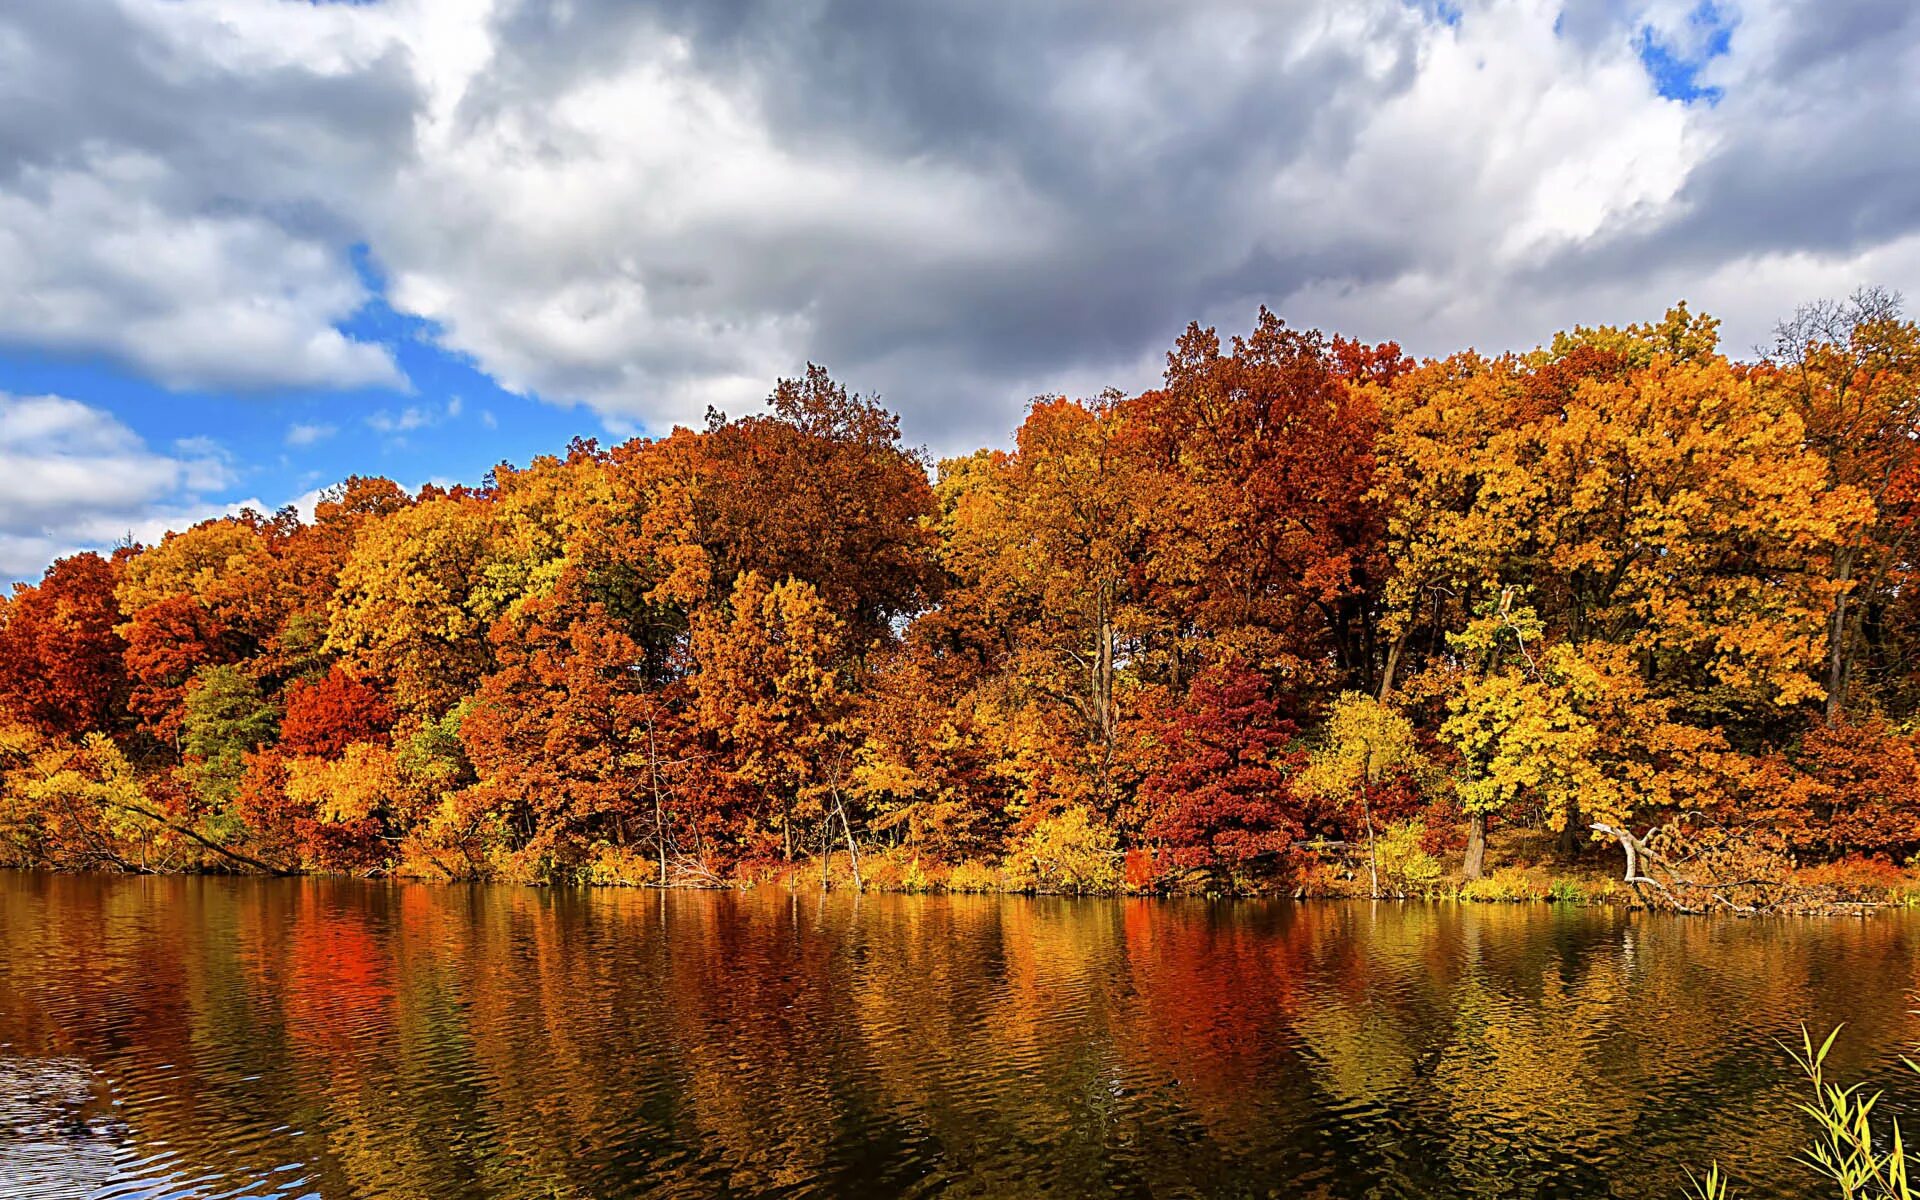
{"x": 203, "y": 1037}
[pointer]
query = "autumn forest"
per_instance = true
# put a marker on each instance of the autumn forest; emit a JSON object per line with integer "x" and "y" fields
{"x": 1311, "y": 616}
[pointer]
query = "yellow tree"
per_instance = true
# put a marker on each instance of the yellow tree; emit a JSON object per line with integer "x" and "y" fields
{"x": 412, "y": 607}
{"x": 1518, "y": 736}
{"x": 542, "y": 517}
{"x": 213, "y": 595}
{"x": 1646, "y": 506}
{"x": 1454, "y": 476}
{"x": 1636, "y": 489}
{"x": 309, "y": 558}
{"x": 768, "y": 688}
{"x": 1042, "y": 545}
{"x": 82, "y": 804}
{"x": 1686, "y": 520}
{"x": 227, "y": 565}
{"x": 1851, "y": 373}
{"x": 1567, "y": 732}
{"x": 351, "y": 796}
{"x": 922, "y": 765}
{"x": 1364, "y": 743}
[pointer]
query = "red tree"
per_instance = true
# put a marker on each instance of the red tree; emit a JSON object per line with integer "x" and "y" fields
{"x": 1866, "y": 790}
{"x": 166, "y": 641}
{"x": 1269, "y": 527}
{"x": 326, "y": 715}
{"x": 61, "y": 662}
{"x": 851, "y": 509}
{"x": 1218, "y": 798}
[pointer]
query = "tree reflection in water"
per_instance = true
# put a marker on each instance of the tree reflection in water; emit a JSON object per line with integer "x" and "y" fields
{"x": 216, "y": 1036}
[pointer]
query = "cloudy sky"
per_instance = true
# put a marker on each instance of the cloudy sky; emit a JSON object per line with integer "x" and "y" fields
{"x": 250, "y": 246}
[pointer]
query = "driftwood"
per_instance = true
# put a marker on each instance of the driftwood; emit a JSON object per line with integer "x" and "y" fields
{"x": 1681, "y": 891}
{"x": 1636, "y": 850}
{"x": 688, "y": 871}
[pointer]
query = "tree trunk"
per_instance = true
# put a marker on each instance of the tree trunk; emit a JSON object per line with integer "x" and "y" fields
{"x": 226, "y": 852}
{"x": 853, "y": 853}
{"x": 1392, "y": 668}
{"x": 1373, "y": 860}
{"x": 1569, "y": 842}
{"x": 1641, "y": 863}
{"x": 1476, "y": 846}
{"x": 659, "y": 809}
{"x": 1837, "y": 645}
{"x": 1103, "y": 669}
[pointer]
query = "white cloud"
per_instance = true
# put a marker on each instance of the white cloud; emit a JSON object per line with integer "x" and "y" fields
{"x": 201, "y": 446}
{"x": 652, "y": 208}
{"x": 74, "y": 477}
{"x": 91, "y": 258}
{"x": 654, "y": 217}
{"x": 396, "y": 425}
{"x": 405, "y": 421}
{"x": 306, "y": 501}
{"x": 182, "y": 182}
{"x": 304, "y": 434}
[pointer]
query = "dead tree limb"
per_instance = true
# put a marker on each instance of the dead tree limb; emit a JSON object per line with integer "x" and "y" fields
{"x": 1639, "y": 852}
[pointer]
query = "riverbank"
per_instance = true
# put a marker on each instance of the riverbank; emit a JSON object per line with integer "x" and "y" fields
{"x": 1525, "y": 866}
{"x": 1531, "y": 870}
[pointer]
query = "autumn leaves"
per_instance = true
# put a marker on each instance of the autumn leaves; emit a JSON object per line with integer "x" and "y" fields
{"x": 1307, "y": 592}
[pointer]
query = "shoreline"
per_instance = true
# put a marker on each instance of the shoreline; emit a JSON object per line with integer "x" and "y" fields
{"x": 1578, "y": 894}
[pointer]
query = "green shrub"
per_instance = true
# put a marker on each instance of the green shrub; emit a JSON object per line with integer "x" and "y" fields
{"x": 1566, "y": 891}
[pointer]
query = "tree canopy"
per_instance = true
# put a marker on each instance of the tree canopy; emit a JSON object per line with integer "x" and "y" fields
{"x": 1305, "y": 593}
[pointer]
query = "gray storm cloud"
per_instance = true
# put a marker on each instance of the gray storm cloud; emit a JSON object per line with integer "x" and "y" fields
{"x": 649, "y": 208}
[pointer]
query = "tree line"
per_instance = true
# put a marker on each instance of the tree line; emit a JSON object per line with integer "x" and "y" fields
{"x": 1307, "y": 598}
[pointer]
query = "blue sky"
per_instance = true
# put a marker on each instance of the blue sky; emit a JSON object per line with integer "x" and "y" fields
{"x": 451, "y": 423}
{"x": 453, "y": 426}
{"x": 414, "y": 238}
{"x": 1677, "y": 58}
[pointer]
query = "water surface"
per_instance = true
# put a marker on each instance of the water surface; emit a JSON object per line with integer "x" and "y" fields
{"x": 229, "y": 1037}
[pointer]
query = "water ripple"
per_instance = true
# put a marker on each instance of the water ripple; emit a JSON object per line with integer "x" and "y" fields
{"x": 190, "y": 1038}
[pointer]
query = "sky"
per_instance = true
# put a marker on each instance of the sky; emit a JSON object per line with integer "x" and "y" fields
{"x": 249, "y": 247}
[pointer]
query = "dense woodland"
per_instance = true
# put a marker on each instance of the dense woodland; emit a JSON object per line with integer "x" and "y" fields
{"x": 1308, "y": 611}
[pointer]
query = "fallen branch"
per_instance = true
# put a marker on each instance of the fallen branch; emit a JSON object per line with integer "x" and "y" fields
{"x": 1636, "y": 849}
{"x": 1639, "y": 850}
{"x": 228, "y": 853}
{"x": 688, "y": 871}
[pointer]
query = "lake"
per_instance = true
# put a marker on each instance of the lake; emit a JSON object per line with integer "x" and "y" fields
{"x": 202, "y": 1037}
